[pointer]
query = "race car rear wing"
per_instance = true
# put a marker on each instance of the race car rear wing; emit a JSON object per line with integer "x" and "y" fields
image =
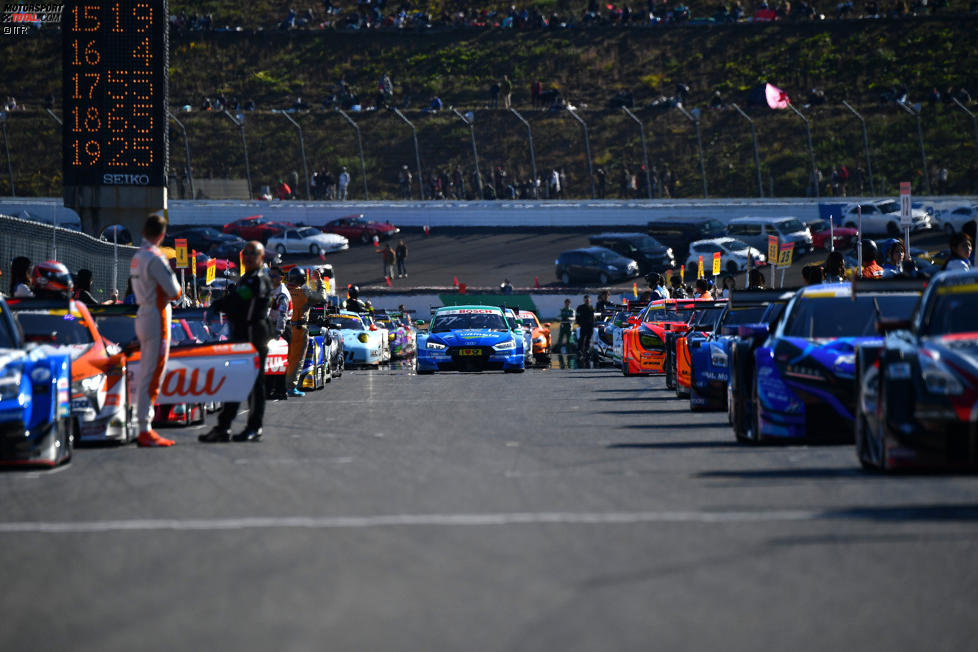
{"x": 897, "y": 285}
{"x": 759, "y": 297}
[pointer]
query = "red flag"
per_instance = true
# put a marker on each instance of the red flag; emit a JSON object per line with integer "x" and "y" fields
{"x": 776, "y": 98}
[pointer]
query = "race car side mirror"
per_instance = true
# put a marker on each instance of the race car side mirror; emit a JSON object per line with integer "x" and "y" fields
{"x": 633, "y": 320}
{"x": 889, "y": 324}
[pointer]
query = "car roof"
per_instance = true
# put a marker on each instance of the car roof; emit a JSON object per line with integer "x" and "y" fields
{"x": 762, "y": 220}
{"x": 680, "y": 220}
{"x": 617, "y": 236}
{"x": 591, "y": 250}
{"x": 720, "y": 240}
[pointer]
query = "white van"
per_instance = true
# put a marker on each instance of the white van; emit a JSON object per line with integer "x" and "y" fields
{"x": 755, "y": 231}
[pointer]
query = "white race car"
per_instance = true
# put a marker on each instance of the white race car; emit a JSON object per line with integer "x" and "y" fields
{"x": 362, "y": 345}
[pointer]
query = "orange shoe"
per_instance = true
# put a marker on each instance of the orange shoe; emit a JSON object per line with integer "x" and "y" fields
{"x": 151, "y": 439}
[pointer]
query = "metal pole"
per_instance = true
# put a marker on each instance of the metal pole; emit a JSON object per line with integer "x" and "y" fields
{"x": 974, "y": 120}
{"x": 186, "y": 149}
{"x": 244, "y": 144}
{"x": 475, "y": 153}
{"x": 645, "y": 151}
{"x": 757, "y": 157}
{"x": 55, "y": 116}
{"x": 115, "y": 260}
{"x": 533, "y": 160}
{"x": 811, "y": 152}
{"x": 869, "y": 164}
{"x": 302, "y": 148}
{"x": 6, "y": 147}
{"x": 54, "y": 234}
{"x": 363, "y": 164}
{"x": 417, "y": 151}
{"x": 915, "y": 112}
{"x": 587, "y": 151}
{"x": 695, "y": 119}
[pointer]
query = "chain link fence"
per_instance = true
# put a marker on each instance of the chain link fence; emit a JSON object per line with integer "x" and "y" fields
{"x": 39, "y": 242}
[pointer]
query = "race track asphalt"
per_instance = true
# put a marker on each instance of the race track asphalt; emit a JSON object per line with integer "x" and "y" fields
{"x": 559, "y": 509}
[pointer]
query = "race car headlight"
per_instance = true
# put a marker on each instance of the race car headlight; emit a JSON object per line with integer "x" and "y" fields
{"x": 435, "y": 346}
{"x": 363, "y": 337}
{"x": 9, "y": 382}
{"x": 938, "y": 380}
{"x": 508, "y": 345}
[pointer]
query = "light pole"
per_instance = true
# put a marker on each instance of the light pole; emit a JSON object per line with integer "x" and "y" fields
{"x": 363, "y": 164}
{"x": 694, "y": 117}
{"x": 587, "y": 150}
{"x": 302, "y": 149}
{"x": 239, "y": 121}
{"x": 186, "y": 148}
{"x": 811, "y": 151}
{"x": 475, "y": 152}
{"x": 645, "y": 151}
{"x": 417, "y": 152}
{"x": 533, "y": 160}
{"x": 915, "y": 111}
{"x": 974, "y": 120}
{"x": 6, "y": 147}
{"x": 757, "y": 157}
{"x": 869, "y": 164}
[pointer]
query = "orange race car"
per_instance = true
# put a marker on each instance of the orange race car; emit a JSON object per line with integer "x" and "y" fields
{"x": 100, "y": 407}
{"x": 704, "y": 320}
{"x": 539, "y": 334}
{"x": 644, "y": 341}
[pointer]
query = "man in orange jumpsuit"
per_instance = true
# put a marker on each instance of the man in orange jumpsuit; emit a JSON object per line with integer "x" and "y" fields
{"x": 303, "y": 298}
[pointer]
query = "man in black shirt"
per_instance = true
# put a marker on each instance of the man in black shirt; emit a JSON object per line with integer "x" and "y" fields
{"x": 247, "y": 309}
{"x": 585, "y": 323}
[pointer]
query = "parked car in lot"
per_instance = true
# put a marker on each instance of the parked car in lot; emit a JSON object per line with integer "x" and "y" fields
{"x": 733, "y": 255}
{"x": 256, "y": 227}
{"x": 950, "y": 220}
{"x": 307, "y": 240}
{"x": 594, "y": 264}
{"x": 882, "y": 216}
{"x": 841, "y": 235}
{"x": 357, "y": 227}
{"x": 678, "y": 232}
{"x": 650, "y": 254}
{"x": 207, "y": 240}
{"x": 755, "y": 231}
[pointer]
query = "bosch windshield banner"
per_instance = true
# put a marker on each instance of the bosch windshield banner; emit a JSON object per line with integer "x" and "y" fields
{"x": 115, "y": 91}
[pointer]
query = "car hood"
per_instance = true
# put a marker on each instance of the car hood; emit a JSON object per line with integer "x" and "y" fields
{"x": 470, "y": 337}
{"x": 837, "y": 356}
{"x": 959, "y": 351}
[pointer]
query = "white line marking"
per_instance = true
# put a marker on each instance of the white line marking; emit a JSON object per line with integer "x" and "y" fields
{"x": 411, "y": 520}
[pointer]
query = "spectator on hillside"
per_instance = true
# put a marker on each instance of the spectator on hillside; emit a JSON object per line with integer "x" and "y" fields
{"x": 506, "y": 91}
{"x": 342, "y": 183}
{"x": 494, "y": 95}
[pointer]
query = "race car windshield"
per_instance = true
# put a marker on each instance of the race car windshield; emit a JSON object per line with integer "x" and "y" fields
{"x": 346, "y": 323}
{"x": 748, "y": 315}
{"x": 707, "y": 319}
{"x": 118, "y": 329}
{"x": 468, "y": 321}
{"x": 55, "y": 329}
{"x": 953, "y": 313}
{"x": 831, "y": 317}
{"x": 679, "y": 315}
{"x": 529, "y": 322}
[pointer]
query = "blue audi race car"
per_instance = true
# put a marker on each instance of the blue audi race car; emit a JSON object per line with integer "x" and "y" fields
{"x": 804, "y": 386}
{"x": 35, "y": 399}
{"x": 470, "y": 338}
{"x": 709, "y": 353}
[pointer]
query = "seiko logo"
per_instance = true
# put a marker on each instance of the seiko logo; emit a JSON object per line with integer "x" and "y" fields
{"x": 125, "y": 179}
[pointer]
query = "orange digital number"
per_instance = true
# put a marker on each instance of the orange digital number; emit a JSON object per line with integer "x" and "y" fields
{"x": 143, "y": 145}
{"x": 91, "y": 54}
{"x": 143, "y": 12}
{"x": 86, "y": 15}
{"x": 116, "y": 158}
{"x": 91, "y": 149}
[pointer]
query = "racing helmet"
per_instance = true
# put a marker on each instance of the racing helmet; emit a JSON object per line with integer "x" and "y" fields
{"x": 297, "y": 276}
{"x": 870, "y": 251}
{"x": 353, "y": 292}
{"x": 52, "y": 277}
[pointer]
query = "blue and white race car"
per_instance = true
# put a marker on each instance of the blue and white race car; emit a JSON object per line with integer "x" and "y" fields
{"x": 470, "y": 338}
{"x": 805, "y": 387}
{"x": 35, "y": 399}
{"x": 363, "y": 343}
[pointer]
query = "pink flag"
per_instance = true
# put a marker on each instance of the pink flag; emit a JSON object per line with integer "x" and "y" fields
{"x": 776, "y": 98}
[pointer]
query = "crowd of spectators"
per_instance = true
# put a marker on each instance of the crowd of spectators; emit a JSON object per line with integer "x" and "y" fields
{"x": 381, "y": 14}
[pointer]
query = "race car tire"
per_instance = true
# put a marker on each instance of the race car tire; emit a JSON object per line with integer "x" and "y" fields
{"x": 861, "y": 426}
{"x": 365, "y": 238}
{"x": 565, "y": 278}
{"x": 280, "y": 248}
{"x": 314, "y": 249}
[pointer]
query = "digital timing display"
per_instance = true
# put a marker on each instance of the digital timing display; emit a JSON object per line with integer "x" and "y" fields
{"x": 115, "y": 92}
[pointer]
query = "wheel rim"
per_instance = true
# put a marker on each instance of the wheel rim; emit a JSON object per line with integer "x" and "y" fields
{"x": 280, "y": 249}
{"x": 314, "y": 250}
{"x": 565, "y": 278}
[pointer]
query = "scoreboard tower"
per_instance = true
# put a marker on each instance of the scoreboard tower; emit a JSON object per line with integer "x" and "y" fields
{"x": 115, "y": 89}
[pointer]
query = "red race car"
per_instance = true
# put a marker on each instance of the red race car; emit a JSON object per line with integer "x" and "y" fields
{"x": 644, "y": 342}
{"x": 357, "y": 227}
{"x": 255, "y": 227}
